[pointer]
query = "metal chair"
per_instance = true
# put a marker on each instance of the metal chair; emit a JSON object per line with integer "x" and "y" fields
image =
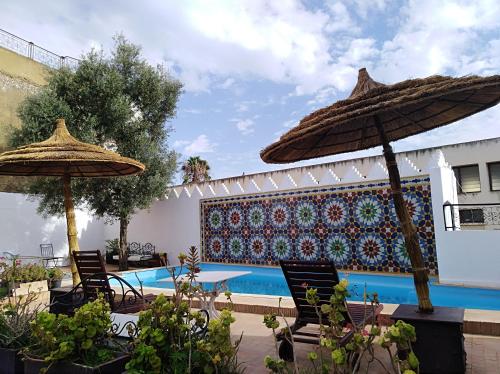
{"x": 47, "y": 253}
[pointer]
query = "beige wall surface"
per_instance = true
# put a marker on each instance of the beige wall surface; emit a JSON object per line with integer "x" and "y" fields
{"x": 19, "y": 78}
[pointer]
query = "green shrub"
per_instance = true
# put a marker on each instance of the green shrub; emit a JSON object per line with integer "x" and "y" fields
{"x": 13, "y": 272}
{"x": 55, "y": 274}
{"x": 332, "y": 355}
{"x": 83, "y": 338}
{"x": 171, "y": 337}
{"x": 113, "y": 246}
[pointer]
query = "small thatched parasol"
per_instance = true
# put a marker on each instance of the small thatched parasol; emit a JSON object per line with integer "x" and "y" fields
{"x": 375, "y": 114}
{"x": 62, "y": 155}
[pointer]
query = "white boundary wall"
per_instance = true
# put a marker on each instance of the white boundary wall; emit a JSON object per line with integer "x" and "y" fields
{"x": 173, "y": 224}
{"x": 22, "y": 230}
{"x": 464, "y": 257}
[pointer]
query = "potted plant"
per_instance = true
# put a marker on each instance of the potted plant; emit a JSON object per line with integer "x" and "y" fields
{"x": 55, "y": 276}
{"x": 23, "y": 279}
{"x": 112, "y": 249}
{"x": 341, "y": 350}
{"x": 16, "y": 314}
{"x": 77, "y": 344}
{"x": 175, "y": 339}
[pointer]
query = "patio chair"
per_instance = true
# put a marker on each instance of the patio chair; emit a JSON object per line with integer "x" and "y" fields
{"x": 322, "y": 276}
{"x": 47, "y": 254}
{"x": 121, "y": 295}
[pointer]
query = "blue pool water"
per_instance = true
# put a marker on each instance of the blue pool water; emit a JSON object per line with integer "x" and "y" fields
{"x": 391, "y": 289}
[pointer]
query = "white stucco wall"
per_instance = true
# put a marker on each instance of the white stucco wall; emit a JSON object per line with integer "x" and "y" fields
{"x": 173, "y": 224}
{"x": 470, "y": 258}
{"x": 22, "y": 229}
{"x": 465, "y": 257}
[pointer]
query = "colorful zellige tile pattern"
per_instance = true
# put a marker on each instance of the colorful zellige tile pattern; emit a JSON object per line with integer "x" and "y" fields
{"x": 354, "y": 226}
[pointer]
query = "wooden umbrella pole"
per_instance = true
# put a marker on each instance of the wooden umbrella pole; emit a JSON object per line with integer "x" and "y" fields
{"x": 71, "y": 226}
{"x": 409, "y": 230}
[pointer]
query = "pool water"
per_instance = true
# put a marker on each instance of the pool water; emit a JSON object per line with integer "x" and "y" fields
{"x": 391, "y": 289}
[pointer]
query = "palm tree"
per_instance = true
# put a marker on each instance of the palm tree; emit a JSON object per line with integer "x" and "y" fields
{"x": 195, "y": 170}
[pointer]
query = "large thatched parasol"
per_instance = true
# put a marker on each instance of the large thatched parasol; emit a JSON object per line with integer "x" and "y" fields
{"x": 375, "y": 114}
{"x": 62, "y": 155}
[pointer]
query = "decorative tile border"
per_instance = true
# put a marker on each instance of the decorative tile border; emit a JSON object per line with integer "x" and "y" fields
{"x": 355, "y": 226}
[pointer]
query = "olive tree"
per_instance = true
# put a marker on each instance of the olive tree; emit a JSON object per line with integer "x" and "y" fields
{"x": 122, "y": 103}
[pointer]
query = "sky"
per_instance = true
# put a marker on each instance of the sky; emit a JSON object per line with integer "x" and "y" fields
{"x": 252, "y": 69}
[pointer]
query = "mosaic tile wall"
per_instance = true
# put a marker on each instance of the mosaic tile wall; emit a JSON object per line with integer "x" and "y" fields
{"x": 355, "y": 226}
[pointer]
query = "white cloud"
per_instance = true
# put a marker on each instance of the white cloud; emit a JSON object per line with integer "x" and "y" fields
{"x": 245, "y": 126}
{"x": 227, "y": 83}
{"x": 290, "y": 123}
{"x": 202, "y": 42}
{"x": 191, "y": 111}
{"x": 241, "y": 107}
{"x": 441, "y": 38}
{"x": 201, "y": 144}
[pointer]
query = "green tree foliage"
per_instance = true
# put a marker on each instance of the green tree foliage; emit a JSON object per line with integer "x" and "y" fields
{"x": 120, "y": 102}
{"x": 195, "y": 170}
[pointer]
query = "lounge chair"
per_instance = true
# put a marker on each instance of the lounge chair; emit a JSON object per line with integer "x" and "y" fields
{"x": 322, "y": 276}
{"x": 122, "y": 297}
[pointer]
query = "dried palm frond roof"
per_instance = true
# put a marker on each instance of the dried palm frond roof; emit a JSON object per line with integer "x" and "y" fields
{"x": 62, "y": 154}
{"x": 404, "y": 109}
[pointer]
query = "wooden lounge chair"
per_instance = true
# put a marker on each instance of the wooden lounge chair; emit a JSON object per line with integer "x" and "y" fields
{"x": 123, "y": 298}
{"x": 322, "y": 276}
{"x": 121, "y": 295}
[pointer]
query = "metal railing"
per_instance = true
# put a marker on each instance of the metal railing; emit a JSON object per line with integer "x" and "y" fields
{"x": 29, "y": 49}
{"x": 486, "y": 215}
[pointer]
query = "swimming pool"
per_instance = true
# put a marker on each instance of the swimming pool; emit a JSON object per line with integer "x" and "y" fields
{"x": 391, "y": 289}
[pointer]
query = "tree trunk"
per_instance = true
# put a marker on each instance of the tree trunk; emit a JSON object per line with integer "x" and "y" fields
{"x": 420, "y": 277}
{"x": 71, "y": 226}
{"x": 122, "y": 254}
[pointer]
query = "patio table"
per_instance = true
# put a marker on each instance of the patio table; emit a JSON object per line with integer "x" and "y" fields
{"x": 219, "y": 280}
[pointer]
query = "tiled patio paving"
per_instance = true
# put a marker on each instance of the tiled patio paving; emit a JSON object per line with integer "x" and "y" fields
{"x": 483, "y": 352}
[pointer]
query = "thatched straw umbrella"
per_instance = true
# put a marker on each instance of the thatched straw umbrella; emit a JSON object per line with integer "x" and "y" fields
{"x": 62, "y": 155}
{"x": 375, "y": 114}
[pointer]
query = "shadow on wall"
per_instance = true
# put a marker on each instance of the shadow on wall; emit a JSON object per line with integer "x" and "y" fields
{"x": 22, "y": 229}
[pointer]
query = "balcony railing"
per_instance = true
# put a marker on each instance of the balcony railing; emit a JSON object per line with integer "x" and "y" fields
{"x": 485, "y": 216}
{"x": 28, "y": 49}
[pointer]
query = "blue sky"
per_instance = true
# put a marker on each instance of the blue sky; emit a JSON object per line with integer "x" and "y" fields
{"x": 252, "y": 69}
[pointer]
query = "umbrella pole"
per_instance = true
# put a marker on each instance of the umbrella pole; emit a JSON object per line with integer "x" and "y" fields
{"x": 420, "y": 277}
{"x": 71, "y": 226}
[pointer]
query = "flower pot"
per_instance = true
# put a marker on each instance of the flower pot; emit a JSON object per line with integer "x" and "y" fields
{"x": 55, "y": 283}
{"x": 440, "y": 341}
{"x": 117, "y": 365}
{"x": 11, "y": 362}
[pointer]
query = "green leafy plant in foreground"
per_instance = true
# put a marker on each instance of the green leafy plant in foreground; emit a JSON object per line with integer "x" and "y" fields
{"x": 173, "y": 338}
{"x": 83, "y": 338}
{"x": 330, "y": 356}
{"x": 16, "y": 316}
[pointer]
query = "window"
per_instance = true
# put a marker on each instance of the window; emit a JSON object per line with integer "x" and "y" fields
{"x": 471, "y": 216}
{"x": 494, "y": 172}
{"x": 468, "y": 178}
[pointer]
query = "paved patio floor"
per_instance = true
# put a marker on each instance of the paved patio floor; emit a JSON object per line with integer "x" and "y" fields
{"x": 483, "y": 352}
